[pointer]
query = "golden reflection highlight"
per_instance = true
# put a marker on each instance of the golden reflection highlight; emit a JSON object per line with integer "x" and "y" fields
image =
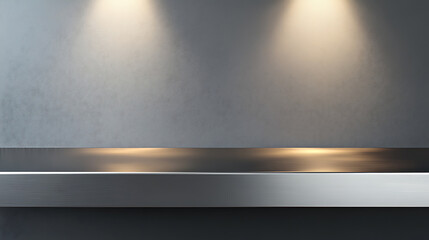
{"x": 123, "y": 167}
{"x": 218, "y": 159}
{"x": 306, "y": 151}
{"x": 319, "y": 37}
{"x": 138, "y": 152}
{"x": 117, "y": 151}
{"x": 324, "y": 159}
{"x": 312, "y": 152}
{"x": 136, "y": 167}
{"x": 140, "y": 159}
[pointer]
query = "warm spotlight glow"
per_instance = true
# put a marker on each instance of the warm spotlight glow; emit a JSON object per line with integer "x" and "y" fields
{"x": 331, "y": 151}
{"x": 306, "y": 151}
{"x": 323, "y": 159}
{"x": 312, "y": 152}
{"x": 138, "y": 152}
{"x": 120, "y": 27}
{"x": 140, "y": 159}
{"x": 119, "y": 151}
{"x": 319, "y": 38}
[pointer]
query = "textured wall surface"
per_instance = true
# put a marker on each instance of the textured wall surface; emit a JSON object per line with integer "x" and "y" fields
{"x": 214, "y": 73}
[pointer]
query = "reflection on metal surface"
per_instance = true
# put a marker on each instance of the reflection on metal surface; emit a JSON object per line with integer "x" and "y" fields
{"x": 303, "y": 152}
{"x": 332, "y": 159}
{"x": 130, "y": 152}
{"x": 214, "y": 160}
{"x": 333, "y": 151}
{"x": 130, "y": 159}
{"x": 214, "y": 190}
{"x": 116, "y": 151}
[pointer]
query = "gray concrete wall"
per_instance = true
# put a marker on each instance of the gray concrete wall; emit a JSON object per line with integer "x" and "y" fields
{"x": 214, "y": 73}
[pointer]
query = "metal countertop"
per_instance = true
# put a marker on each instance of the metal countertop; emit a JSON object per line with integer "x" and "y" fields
{"x": 213, "y": 177}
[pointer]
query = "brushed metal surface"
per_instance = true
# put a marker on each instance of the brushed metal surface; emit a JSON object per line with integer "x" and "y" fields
{"x": 214, "y": 160}
{"x": 157, "y": 177}
{"x": 214, "y": 190}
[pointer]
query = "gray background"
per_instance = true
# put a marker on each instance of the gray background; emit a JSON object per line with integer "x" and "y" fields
{"x": 213, "y": 73}
{"x": 207, "y": 78}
